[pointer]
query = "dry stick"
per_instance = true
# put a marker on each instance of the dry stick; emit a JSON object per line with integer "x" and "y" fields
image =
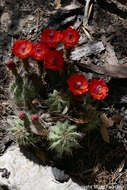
{"x": 84, "y": 18}
{"x": 86, "y": 11}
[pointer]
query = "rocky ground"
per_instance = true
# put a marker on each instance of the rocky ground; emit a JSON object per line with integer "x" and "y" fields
{"x": 97, "y": 165}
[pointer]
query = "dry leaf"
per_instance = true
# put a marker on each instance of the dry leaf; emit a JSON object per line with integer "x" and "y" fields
{"x": 104, "y": 134}
{"x": 35, "y": 101}
{"x": 107, "y": 122}
{"x": 121, "y": 166}
{"x": 116, "y": 118}
{"x": 38, "y": 130}
{"x": 78, "y": 120}
{"x": 57, "y": 4}
{"x": 65, "y": 110}
{"x": 120, "y": 126}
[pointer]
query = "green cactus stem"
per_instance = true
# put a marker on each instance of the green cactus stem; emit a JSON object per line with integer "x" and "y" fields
{"x": 56, "y": 102}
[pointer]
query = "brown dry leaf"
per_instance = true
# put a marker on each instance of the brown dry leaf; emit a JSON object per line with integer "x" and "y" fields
{"x": 35, "y": 101}
{"x": 104, "y": 134}
{"x": 57, "y": 4}
{"x": 54, "y": 119}
{"x": 107, "y": 122}
{"x": 38, "y": 130}
{"x": 116, "y": 118}
{"x": 120, "y": 126}
{"x": 121, "y": 166}
{"x": 78, "y": 120}
{"x": 110, "y": 56}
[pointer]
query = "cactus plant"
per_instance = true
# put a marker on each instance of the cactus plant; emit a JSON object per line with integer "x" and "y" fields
{"x": 16, "y": 88}
{"x": 56, "y": 102}
{"x": 22, "y": 133}
{"x": 63, "y": 137}
{"x": 23, "y": 91}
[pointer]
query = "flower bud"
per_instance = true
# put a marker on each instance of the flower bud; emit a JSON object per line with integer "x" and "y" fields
{"x": 34, "y": 117}
{"x": 22, "y": 115}
{"x": 10, "y": 65}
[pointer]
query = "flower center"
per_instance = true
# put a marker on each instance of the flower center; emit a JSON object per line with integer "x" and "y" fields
{"x": 38, "y": 49}
{"x": 23, "y": 46}
{"x": 51, "y": 34}
{"x": 54, "y": 61}
{"x": 78, "y": 85}
{"x": 70, "y": 36}
{"x": 97, "y": 89}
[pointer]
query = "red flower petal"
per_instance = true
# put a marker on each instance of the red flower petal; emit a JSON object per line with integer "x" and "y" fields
{"x": 98, "y": 89}
{"x": 54, "y": 60}
{"x": 51, "y": 37}
{"x": 70, "y": 37}
{"x": 22, "y": 48}
{"x": 78, "y": 84}
{"x": 39, "y": 50}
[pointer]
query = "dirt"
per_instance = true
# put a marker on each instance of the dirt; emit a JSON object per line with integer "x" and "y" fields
{"x": 97, "y": 163}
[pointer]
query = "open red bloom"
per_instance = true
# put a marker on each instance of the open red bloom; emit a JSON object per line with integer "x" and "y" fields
{"x": 22, "y": 48}
{"x": 78, "y": 84}
{"x": 54, "y": 60}
{"x": 98, "y": 89}
{"x": 51, "y": 37}
{"x": 70, "y": 37}
{"x": 39, "y": 50}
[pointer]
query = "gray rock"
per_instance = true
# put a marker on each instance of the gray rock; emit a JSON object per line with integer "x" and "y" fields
{"x": 60, "y": 175}
{"x": 26, "y": 174}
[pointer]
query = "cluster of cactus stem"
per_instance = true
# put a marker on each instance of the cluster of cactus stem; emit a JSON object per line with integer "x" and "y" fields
{"x": 56, "y": 102}
{"x": 64, "y": 137}
{"x": 22, "y": 134}
{"x": 25, "y": 86}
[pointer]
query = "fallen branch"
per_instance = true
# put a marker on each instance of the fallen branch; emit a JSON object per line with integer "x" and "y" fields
{"x": 86, "y": 50}
{"x": 118, "y": 71}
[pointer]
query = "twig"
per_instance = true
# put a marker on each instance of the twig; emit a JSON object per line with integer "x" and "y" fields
{"x": 86, "y": 11}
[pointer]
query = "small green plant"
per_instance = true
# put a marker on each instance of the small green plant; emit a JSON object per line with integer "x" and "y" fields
{"x": 63, "y": 137}
{"x": 56, "y": 102}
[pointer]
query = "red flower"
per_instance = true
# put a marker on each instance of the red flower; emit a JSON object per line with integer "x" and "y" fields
{"x": 11, "y": 65}
{"x": 78, "y": 84}
{"x": 98, "y": 89}
{"x": 39, "y": 51}
{"x": 22, "y": 48}
{"x": 54, "y": 60}
{"x": 51, "y": 37}
{"x": 70, "y": 37}
{"x": 22, "y": 115}
{"x": 34, "y": 117}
